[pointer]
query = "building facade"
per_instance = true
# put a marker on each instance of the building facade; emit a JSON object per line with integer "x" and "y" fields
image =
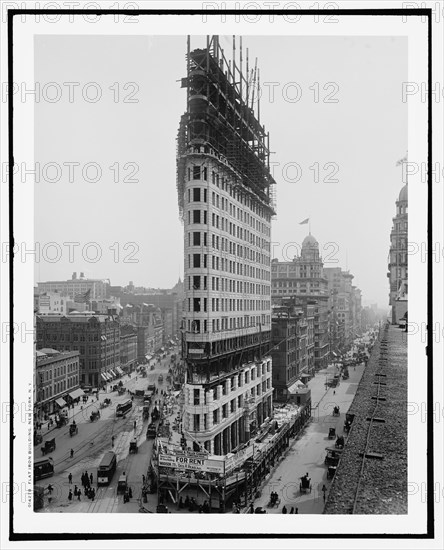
{"x": 285, "y": 351}
{"x": 345, "y": 307}
{"x": 302, "y": 282}
{"x": 95, "y": 337}
{"x": 57, "y": 376}
{"x": 77, "y": 286}
{"x": 398, "y": 259}
{"x": 128, "y": 348}
{"x": 52, "y": 302}
{"x": 223, "y": 182}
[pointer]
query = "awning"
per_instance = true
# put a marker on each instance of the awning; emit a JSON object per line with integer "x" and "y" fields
{"x": 162, "y": 349}
{"x": 333, "y": 353}
{"x": 172, "y": 343}
{"x": 296, "y": 386}
{"x": 103, "y": 376}
{"x": 119, "y": 370}
{"x": 148, "y": 357}
{"x": 60, "y": 402}
{"x": 113, "y": 373}
{"x": 76, "y": 393}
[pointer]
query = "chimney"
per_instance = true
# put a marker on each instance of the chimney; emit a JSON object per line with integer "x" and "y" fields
{"x": 82, "y": 276}
{"x": 74, "y": 276}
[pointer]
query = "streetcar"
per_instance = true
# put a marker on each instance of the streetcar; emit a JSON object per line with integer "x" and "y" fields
{"x": 107, "y": 468}
{"x": 123, "y": 408}
{"x": 43, "y": 467}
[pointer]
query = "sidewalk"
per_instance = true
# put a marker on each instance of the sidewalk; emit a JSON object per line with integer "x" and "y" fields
{"x": 307, "y": 453}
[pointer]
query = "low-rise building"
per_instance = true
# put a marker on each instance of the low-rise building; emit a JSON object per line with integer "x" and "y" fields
{"x": 95, "y": 337}
{"x": 57, "y": 380}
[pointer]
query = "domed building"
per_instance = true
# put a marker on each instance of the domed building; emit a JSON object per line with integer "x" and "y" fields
{"x": 398, "y": 264}
{"x": 301, "y": 281}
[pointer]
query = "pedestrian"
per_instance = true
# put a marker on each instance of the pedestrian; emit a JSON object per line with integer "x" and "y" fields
{"x": 70, "y": 479}
{"x": 292, "y": 510}
{"x": 112, "y": 441}
{"x": 78, "y": 494}
{"x": 143, "y": 479}
{"x": 324, "y": 490}
{"x": 72, "y": 452}
{"x": 75, "y": 490}
{"x": 70, "y": 495}
{"x": 50, "y": 489}
{"x": 91, "y": 478}
{"x": 93, "y": 494}
{"x": 334, "y": 392}
{"x": 130, "y": 492}
{"x": 284, "y": 510}
{"x": 296, "y": 511}
{"x": 135, "y": 424}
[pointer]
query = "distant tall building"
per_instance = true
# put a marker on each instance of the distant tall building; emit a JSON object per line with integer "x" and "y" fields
{"x": 398, "y": 264}
{"x": 225, "y": 200}
{"x": 76, "y": 287}
{"x": 302, "y": 280}
{"x": 345, "y": 307}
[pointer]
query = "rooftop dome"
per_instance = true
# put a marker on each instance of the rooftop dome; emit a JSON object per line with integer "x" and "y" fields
{"x": 403, "y": 194}
{"x": 309, "y": 241}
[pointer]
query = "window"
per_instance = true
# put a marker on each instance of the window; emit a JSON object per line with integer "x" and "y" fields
{"x": 196, "y": 397}
{"x": 196, "y": 238}
{"x": 196, "y": 216}
{"x": 216, "y": 416}
{"x": 196, "y": 172}
{"x": 225, "y": 410}
{"x": 196, "y": 423}
{"x": 196, "y": 260}
{"x": 196, "y": 194}
{"x": 196, "y": 304}
{"x": 196, "y": 282}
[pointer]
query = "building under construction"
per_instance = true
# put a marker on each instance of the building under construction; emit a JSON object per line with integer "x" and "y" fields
{"x": 225, "y": 193}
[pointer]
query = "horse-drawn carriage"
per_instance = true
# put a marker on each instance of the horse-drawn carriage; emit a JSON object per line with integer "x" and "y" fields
{"x": 305, "y": 484}
{"x": 332, "y": 433}
{"x": 61, "y": 421}
{"x": 336, "y": 411}
{"x": 133, "y": 446}
{"x": 121, "y": 390}
{"x": 73, "y": 429}
{"x": 339, "y": 442}
{"x": 49, "y": 446}
{"x": 146, "y": 412}
{"x": 331, "y": 472}
{"x": 332, "y": 457}
{"x": 155, "y": 415}
{"x": 160, "y": 378}
{"x": 95, "y": 415}
{"x": 274, "y": 500}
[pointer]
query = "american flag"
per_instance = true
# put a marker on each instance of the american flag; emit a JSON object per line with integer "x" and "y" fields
{"x": 82, "y": 298}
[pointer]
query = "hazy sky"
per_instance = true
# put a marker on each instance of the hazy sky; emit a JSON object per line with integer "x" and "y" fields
{"x": 361, "y": 135}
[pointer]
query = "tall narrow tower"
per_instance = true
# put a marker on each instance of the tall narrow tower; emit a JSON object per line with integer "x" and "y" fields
{"x": 225, "y": 202}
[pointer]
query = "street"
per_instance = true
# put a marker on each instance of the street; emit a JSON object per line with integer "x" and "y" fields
{"x": 307, "y": 453}
{"x": 94, "y": 438}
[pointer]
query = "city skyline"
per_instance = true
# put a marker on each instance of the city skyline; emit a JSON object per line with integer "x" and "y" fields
{"x": 305, "y": 165}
